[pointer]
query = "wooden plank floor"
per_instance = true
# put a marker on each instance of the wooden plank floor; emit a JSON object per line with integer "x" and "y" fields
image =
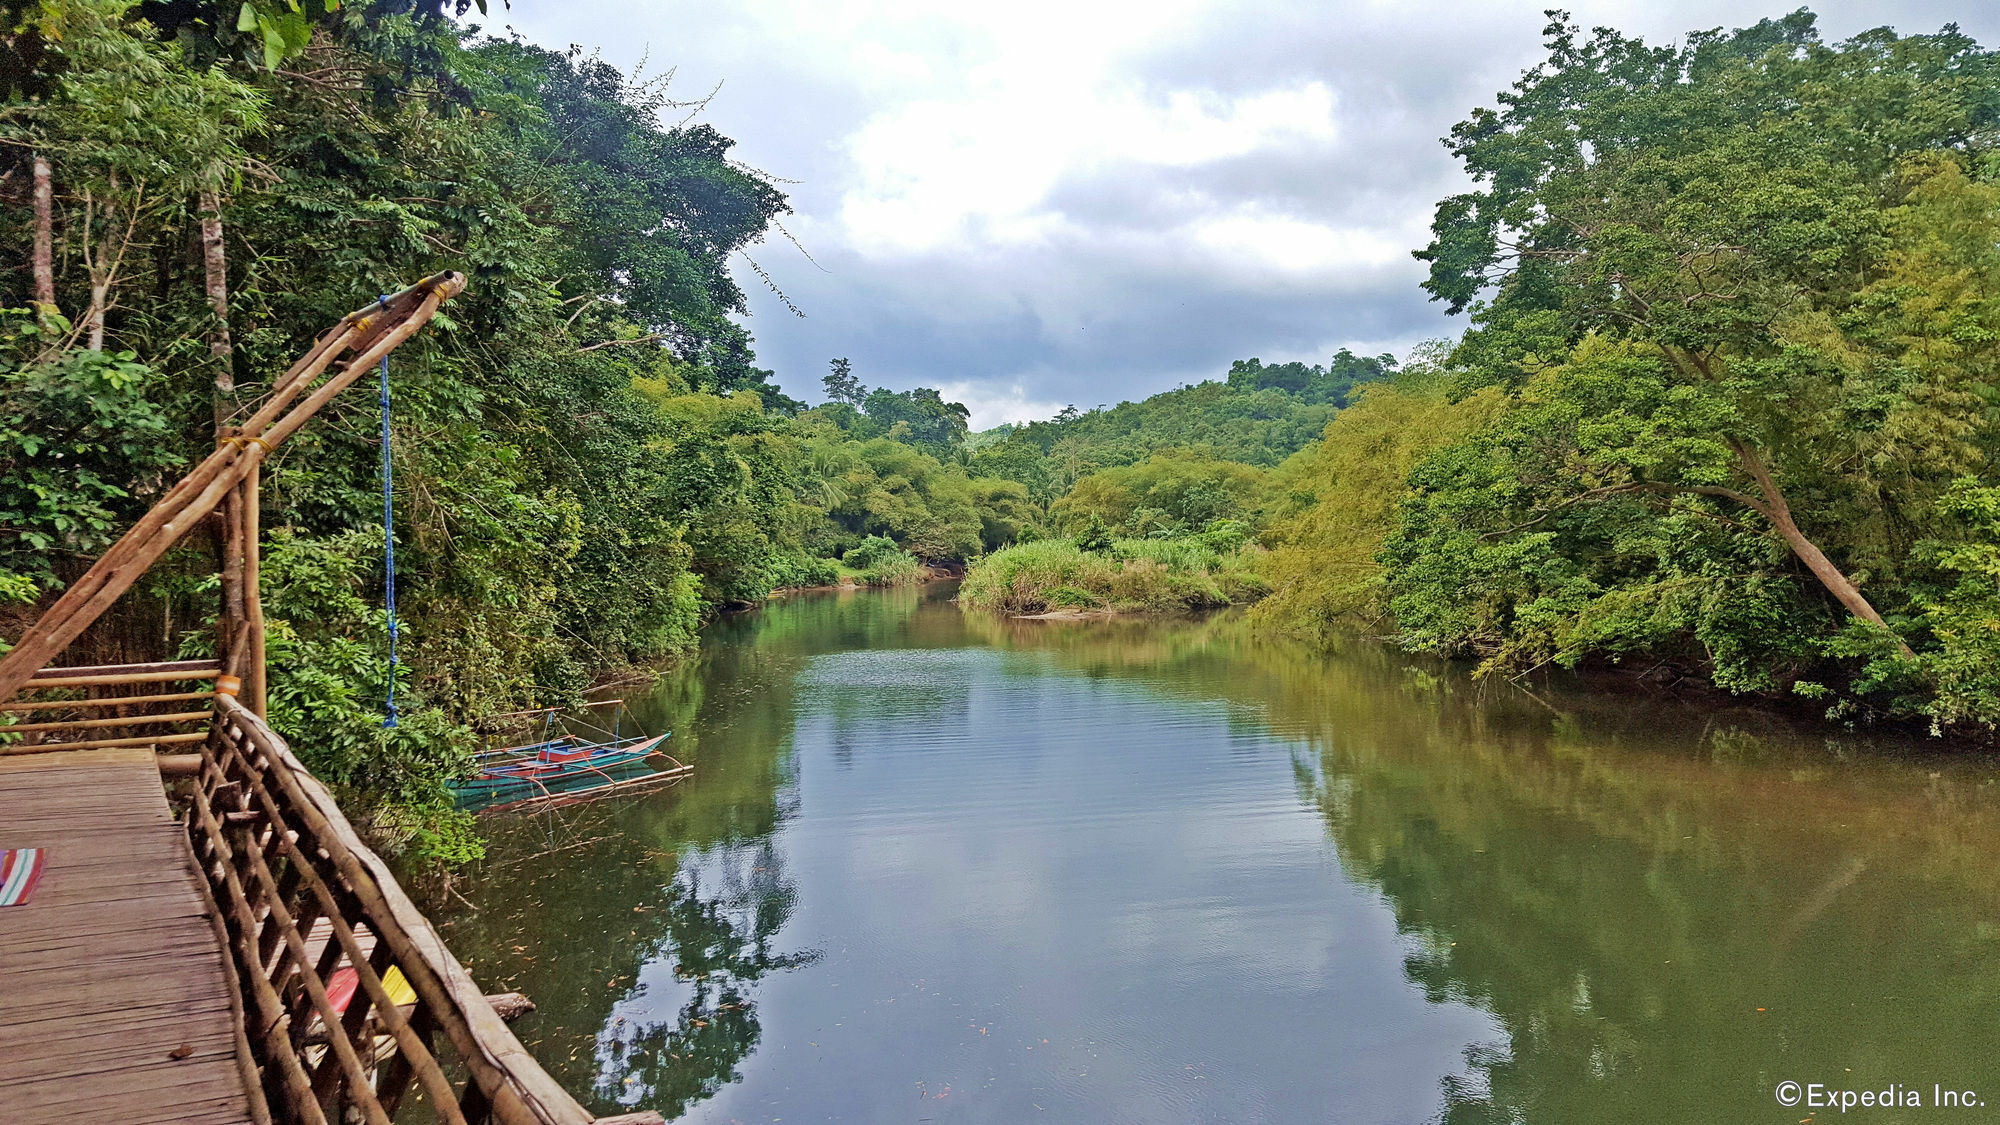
{"x": 111, "y": 967}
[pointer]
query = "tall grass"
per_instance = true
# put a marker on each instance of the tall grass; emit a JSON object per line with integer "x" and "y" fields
{"x": 899, "y": 569}
{"x": 1156, "y": 575}
{"x": 878, "y": 561}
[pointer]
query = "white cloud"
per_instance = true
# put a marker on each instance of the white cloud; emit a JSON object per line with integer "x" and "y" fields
{"x": 992, "y": 403}
{"x": 1293, "y": 246}
{"x": 976, "y": 166}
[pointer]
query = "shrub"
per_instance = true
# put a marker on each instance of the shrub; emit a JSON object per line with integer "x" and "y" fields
{"x": 1159, "y": 575}
{"x": 877, "y": 561}
{"x": 1224, "y": 537}
{"x": 871, "y": 551}
{"x": 790, "y": 572}
{"x": 1094, "y": 537}
{"x": 899, "y": 569}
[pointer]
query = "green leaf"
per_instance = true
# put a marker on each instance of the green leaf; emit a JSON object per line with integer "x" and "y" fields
{"x": 274, "y": 43}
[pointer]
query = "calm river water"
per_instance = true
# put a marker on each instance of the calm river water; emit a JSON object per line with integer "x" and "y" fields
{"x": 938, "y": 867}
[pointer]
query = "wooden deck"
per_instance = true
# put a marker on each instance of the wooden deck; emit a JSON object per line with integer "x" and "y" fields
{"x": 112, "y": 967}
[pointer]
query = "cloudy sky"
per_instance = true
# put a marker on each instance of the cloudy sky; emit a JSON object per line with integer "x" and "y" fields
{"x": 1060, "y": 201}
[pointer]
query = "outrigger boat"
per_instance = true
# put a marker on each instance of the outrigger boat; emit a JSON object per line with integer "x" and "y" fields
{"x": 557, "y": 765}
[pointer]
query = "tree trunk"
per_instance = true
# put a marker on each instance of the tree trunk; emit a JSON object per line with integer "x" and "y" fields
{"x": 94, "y": 259}
{"x": 45, "y": 226}
{"x": 1780, "y": 514}
{"x": 100, "y": 292}
{"x": 216, "y": 267}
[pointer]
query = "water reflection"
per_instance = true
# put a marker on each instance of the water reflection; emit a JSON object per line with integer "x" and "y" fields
{"x": 679, "y": 1034}
{"x": 1669, "y": 910}
{"x": 956, "y": 868}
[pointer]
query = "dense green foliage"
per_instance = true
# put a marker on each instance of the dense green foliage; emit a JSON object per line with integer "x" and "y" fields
{"x": 878, "y": 561}
{"x": 1172, "y": 493}
{"x": 921, "y": 416}
{"x": 1332, "y": 504}
{"x": 1729, "y": 403}
{"x": 1157, "y": 497}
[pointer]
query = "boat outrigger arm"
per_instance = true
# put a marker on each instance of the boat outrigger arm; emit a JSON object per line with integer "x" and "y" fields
{"x": 563, "y": 764}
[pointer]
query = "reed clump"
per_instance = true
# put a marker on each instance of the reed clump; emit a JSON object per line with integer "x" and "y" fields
{"x": 1133, "y": 576}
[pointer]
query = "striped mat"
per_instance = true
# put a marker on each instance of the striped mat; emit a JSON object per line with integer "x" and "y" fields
{"x": 20, "y": 870}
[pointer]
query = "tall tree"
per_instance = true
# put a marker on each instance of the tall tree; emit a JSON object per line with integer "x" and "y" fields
{"x": 842, "y": 385}
{"x": 132, "y": 129}
{"x": 1720, "y": 203}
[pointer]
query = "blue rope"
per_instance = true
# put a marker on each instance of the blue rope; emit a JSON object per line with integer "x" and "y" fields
{"x": 388, "y": 538}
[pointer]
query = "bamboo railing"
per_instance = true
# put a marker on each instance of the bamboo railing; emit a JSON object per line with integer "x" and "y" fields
{"x": 279, "y": 857}
{"x": 127, "y": 706}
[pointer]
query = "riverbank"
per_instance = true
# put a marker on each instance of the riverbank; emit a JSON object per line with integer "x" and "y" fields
{"x": 1056, "y": 577}
{"x": 865, "y": 580}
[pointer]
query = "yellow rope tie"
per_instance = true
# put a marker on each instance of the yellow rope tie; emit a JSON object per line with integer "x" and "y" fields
{"x": 244, "y": 443}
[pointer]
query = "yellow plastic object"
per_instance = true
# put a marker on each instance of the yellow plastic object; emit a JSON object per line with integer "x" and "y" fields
{"x": 399, "y": 989}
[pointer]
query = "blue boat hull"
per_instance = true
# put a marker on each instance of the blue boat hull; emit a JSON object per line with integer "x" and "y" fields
{"x": 551, "y": 768}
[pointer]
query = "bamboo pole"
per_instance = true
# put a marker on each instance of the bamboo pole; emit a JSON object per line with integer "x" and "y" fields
{"x": 271, "y": 1013}
{"x": 178, "y": 765}
{"x": 253, "y": 603}
{"x": 102, "y": 743}
{"x": 341, "y": 935}
{"x": 107, "y": 701}
{"x": 373, "y": 331}
{"x": 114, "y": 721}
{"x": 384, "y": 343}
{"x": 509, "y": 1006}
{"x": 231, "y": 569}
{"x": 394, "y": 1080}
{"x": 349, "y": 1063}
{"x": 209, "y": 667}
{"x": 113, "y": 680}
{"x": 246, "y": 1062}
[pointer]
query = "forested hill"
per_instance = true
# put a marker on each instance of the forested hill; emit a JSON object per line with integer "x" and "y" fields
{"x": 1259, "y": 415}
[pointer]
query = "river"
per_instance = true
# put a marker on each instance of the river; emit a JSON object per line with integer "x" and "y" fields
{"x": 935, "y": 867}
